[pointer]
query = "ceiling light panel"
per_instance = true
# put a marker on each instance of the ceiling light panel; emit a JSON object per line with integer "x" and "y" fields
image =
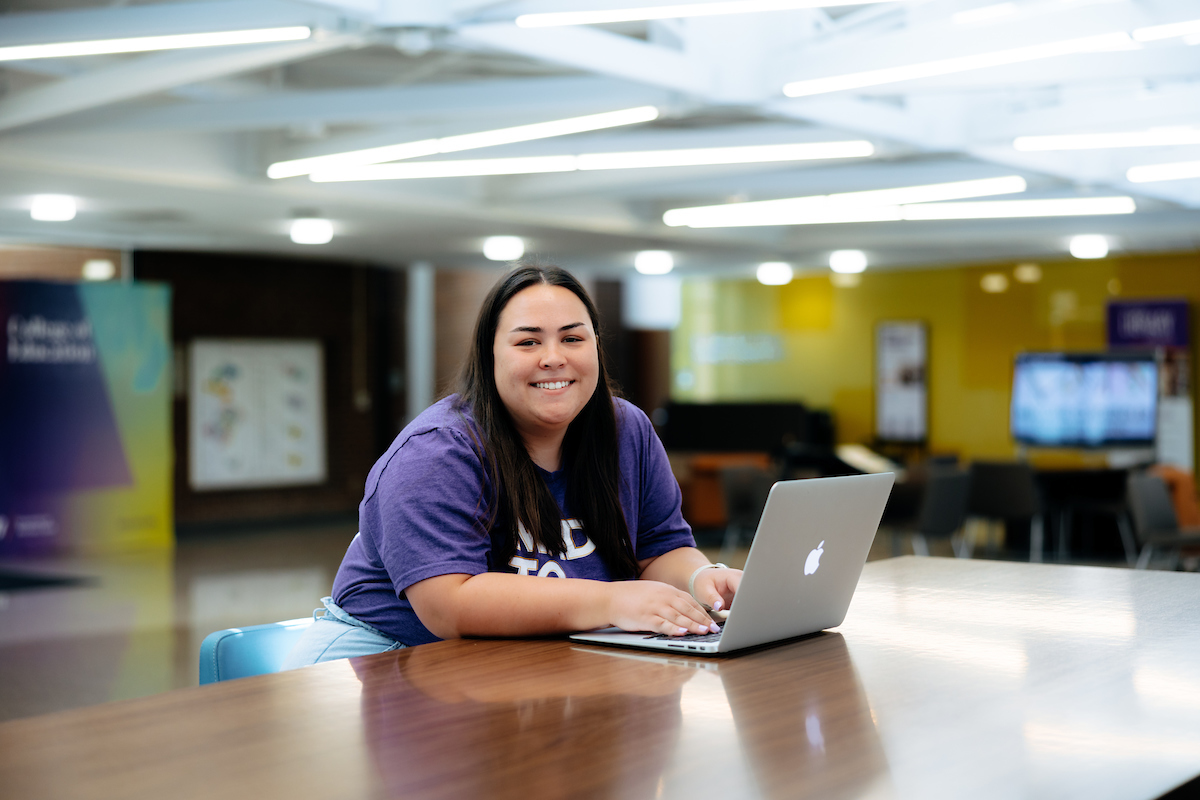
{"x": 948, "y": 66}
{"x": 1160, "y": 137}
{"x": 676, "y": 11}
{"x": 1171, "y": 30}
{"x": 878, "y": 205}
{"x": 142, "y": 44}
{"x": 706, "y": 156}
{"x": 468, "y": 141}
{"x": 1152, "y": 173}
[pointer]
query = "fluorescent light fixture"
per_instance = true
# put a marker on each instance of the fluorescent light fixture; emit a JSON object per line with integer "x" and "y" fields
{"x": 948, "y": 66}
{"x": 559, "y": 18}
{"x": 447, "y": 169}
{"x": 1011, "y": 209}
{"x": 1161, "y": 137}
{"x": 994, "y": 283}
{"x": 99, "y": 269}
{"x": 311, "y": 230}
{"x": 653, "y": 262}
{"x": 1155, "y": 33}
{"x": 1088, "y": 246}
{"x": 748, "y": 154}
{"x": 984, "y": 13}
{"x": 503, "y": 248}
{"x": 1151, "y": 173}
{"x": 466, "y": 141}
{"x": 848, "y": 262}
{"x": 704, "y": 156}
{"x": 53, "y": 208}
{"x": 1027, "y": 273}
{"x": 774, "y": 273}
{"x": 877, "y": 205}
{"x": 141, "y": 44}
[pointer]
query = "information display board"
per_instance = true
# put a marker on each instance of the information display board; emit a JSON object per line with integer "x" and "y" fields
{"x": 901, "y": 396}
{"x": 256, "y": 414}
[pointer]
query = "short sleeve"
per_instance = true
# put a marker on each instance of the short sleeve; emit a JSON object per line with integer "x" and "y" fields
{"x": 429, "y": 506}
{"x": 657, "y": 502}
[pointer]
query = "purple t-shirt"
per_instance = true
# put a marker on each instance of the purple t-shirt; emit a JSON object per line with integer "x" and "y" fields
{"x": 425, "y": 511}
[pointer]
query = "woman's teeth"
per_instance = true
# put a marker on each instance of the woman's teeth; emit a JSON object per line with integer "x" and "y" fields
{"x": 553, "y": 385}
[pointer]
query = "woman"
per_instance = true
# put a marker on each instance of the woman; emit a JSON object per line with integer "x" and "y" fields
{"x": 531, "y": 470}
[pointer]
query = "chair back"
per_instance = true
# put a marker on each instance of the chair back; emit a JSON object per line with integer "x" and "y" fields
{"x": 1003, "y": 490}
{"x": 253, "y": 650}
{"x": 745, "y": 489}
{"x": 944, "y": 506}
{"x": 1150, "y": 505}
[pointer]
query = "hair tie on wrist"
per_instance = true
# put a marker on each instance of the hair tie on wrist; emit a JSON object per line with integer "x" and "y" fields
{"x": 692, "y": 580}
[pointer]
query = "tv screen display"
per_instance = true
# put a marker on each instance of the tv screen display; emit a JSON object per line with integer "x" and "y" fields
{"x": 1084, "y": 400}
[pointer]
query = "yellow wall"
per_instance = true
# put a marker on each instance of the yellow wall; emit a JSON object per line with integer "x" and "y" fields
{"x": 827, "y": 335}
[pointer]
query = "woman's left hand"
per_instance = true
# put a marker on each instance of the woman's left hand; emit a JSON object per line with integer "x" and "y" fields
{"x": 715, "y": 588}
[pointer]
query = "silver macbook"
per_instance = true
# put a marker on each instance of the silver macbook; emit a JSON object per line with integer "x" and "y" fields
{"x": 805, "y": 561}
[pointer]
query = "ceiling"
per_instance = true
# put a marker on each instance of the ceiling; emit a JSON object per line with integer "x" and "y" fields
{"x": 170, "y": 149}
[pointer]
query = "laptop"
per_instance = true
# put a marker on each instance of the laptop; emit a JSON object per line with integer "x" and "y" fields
{"x": 804, "y": 564}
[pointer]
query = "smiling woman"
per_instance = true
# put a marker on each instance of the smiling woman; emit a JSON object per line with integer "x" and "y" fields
{"x": 531, "y": 470}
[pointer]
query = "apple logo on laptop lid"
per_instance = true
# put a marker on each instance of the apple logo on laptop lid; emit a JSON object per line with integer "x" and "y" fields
{"x": 814, "y": 559}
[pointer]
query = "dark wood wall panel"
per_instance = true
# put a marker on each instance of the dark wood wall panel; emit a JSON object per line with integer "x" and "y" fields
{"x": 348, "y": 308}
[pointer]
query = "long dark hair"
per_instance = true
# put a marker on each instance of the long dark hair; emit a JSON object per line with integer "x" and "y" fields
{"x": 590, "y": 446}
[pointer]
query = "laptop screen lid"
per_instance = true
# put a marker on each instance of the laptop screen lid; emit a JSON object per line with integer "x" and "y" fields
{"x": 804, "y": 564}
{"x": 806, "y": 558}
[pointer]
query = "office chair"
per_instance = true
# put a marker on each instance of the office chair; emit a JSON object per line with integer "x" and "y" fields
{"x": 745, "y": 490}
{"x": 942, "y": 512}
{"x": 1006, "y": 491}
{"x": 253, "y": 650}
{"x": 1154, "y": 522}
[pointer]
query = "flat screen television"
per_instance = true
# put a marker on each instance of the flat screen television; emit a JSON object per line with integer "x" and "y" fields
{"x": 1085, "y": 399}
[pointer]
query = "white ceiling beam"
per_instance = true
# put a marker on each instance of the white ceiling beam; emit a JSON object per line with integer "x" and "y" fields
{"x": 1100, "y": 111}
{"x": 454, "y": 104}
{"x": 861, "y": 51}
{"x": 594, "y": 51}
{"x": 155, "y": 73}
{"x": 157, "y": 20}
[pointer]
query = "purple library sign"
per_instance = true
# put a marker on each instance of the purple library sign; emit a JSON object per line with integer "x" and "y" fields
{"x": 1148, "y": 323}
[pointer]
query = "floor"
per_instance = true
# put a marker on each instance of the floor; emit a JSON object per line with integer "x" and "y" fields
{"x": 135, "y": 625}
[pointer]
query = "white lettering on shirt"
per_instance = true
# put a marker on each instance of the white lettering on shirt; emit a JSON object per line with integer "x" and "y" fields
{"x": 572, "y": 551}
{"x": 525, "y": 566}
{"x": 551, "y": 568}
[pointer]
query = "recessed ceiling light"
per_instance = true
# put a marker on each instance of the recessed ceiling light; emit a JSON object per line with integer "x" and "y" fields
{"x": 1089, "y": 246}
{"x": 99, "y": 269}
{"x": 653, "y": 262}
{"x": 848, "y": 261}
{"x": 311, "y": 230}
{"x": 1027, "y": 273}
{"x": 1175, "y": 171}
{"x": 53, "y": 208}
{"x": 994, "y": 282}
{"x": 503, "y": 248}
{"x": 774, "y": 273}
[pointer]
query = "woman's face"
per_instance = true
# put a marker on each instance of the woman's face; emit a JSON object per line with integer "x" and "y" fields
{"x": 546, "y": 365}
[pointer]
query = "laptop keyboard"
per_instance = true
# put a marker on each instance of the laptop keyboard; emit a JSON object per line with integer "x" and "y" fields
{"x": 692, "y": 637}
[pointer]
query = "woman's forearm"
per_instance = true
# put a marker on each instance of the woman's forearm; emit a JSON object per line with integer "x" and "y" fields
{"x": 501, "y": 604}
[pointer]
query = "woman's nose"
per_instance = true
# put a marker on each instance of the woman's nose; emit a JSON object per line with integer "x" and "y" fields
{"x": 552, "y": 357}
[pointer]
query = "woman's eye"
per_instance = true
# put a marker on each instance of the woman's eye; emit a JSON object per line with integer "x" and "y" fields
{"x": 526, "y": 343}
{"x": 573, "y": 339}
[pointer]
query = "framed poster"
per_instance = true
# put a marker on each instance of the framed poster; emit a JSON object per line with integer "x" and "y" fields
{"x": 256, "y": 414}
{"x": 901, "y": 394}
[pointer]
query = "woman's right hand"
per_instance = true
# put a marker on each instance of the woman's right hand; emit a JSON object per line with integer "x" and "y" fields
{"x": 656, "y": 607}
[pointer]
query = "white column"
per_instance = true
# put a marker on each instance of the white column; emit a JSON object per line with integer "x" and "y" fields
{"x": 420, "y": 332}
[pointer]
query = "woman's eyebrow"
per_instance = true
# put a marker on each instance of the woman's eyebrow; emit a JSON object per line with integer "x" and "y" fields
{"x": 533, "y": 329}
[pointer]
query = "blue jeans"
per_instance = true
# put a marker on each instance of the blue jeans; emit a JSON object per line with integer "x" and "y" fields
{"x": 335, "y": 634}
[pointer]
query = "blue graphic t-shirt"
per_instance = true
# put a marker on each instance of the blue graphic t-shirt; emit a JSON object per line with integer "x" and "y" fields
{"x": 425, "y": 513}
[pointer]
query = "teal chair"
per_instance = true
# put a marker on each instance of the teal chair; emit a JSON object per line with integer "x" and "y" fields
{"x": 253, "y": 650}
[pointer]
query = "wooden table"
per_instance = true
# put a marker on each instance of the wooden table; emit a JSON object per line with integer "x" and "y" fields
{"x": 954, "y": 679}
